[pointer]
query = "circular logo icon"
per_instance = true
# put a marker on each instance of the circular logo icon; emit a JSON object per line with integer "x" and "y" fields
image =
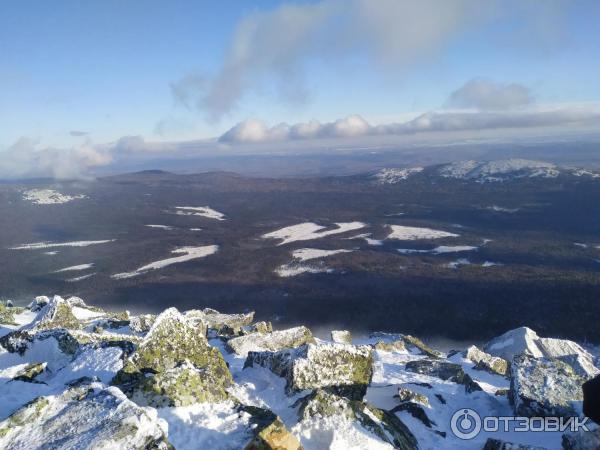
{"x": 465, "y": 424}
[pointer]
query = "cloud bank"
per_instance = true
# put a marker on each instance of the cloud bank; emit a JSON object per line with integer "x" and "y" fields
{"x": 488, "y": 95}
{"x": 272, "y": 49}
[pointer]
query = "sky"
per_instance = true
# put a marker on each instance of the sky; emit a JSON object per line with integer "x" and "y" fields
{"x": 83, "y": 82}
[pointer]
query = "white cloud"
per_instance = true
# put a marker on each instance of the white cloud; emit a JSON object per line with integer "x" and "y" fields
{"x": 488, "y": 95}
{"x": 271, "y": 49}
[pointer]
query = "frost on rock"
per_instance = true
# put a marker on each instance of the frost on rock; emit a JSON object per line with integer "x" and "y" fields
{"x": 87, "y": 416}
{"x": 174, "y": 366}
{"x": 381, "y": 423}
{"x": 544, "y": 387}
{"x": 346, "y": 368}
{"x": 341, "y": 336}
{"x": 485, "y": 361}
{"x": 445, "y": 371}
{"x": 277, "y": 340}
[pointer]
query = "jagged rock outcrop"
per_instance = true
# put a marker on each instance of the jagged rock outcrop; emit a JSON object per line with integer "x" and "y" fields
{"x": 341, "y": 336}
{"x": 406, "y": 395}
{"x": 86, "y": 416}
{"x": 174, "y": 366}
{"x": 221, "y": 324}
{"x": 346, "y": 367}
{"x": 497, "y": 444}
{"x": 384, "y": 424}
{"x": 411, "y": 343}
{"x": 57, "y": 313}
{"x": 7, "y": 313}
{"x": 277, "y": 340}
{"x": 142, "y": 323}
{"x": 393, "y": 346}
{"x": 485, "y": 361}
{"x": 543, "y": 387}
{"x": 444, "y": 370}
{"x": 269, "y": 431}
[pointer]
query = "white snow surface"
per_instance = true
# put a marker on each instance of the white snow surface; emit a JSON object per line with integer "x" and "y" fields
{"x": 187, "y": 254}
{"x": 405, "y": 233}
{"x": 204, "y": 211}
{"x": 162, "y": 227}
{"x": 75, "y": 268}
{"x": 393, "y": 176}
{"x": 500, "y": 170}
{"x": 306, "y": 254}
{"x": 49, "y": 197}
{"x": 40, "y": 245}
{"x": 308, "y": 231}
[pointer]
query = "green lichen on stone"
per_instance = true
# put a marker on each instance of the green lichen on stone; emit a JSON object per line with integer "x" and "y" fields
{"x": 30, "y": 371}
{"x": 174, "y": 365}
{"x": 7, "y": 315}
{"x": 269, "y": 431}
{"x": 421, "y": 346}
{"x": 61, "y": 317}
{"x": 23, "y": 415}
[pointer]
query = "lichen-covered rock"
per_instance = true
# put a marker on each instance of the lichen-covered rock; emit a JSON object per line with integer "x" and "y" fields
{"x": 444, "y": 370}
{"x": 6, "y": 315}
{"x": 485, "y": 361}
{"x": 543, "y": 387}
{"x": 384, "y": 424}
{"x": 406, "y": 395}
{"x": 497, "y": 444}
{"x": 582, "y": 440}
{"x": 346, "y": 367}
{"x": 29, "y": 372}
{"x": 258, "y": 327}
{"x": 269, "y": 431}
{"x": 277, "y": 340}
{"x": 341, "y": 336}
{"x": 417, "y": 343}
{"x": 581, "y": 364}
{"x": 174, "y": 365}
{"x": 57, "y": 313}
{"x": 222, "y": 324}
{"x": 84, "y": 417}
{"x": 142, "y": 323}
{"x": 393, "y": 346}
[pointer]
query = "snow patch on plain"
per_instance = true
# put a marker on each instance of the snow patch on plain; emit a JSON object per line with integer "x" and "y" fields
{"x": 40, "y": 245}
{"x": 204, "y": 211}
{"x": 79, "y": 267}
{"x": 405, "y": 233}
{"x": 187, "y": 254}
{"x": 308, "y": 231}
{"x": 49, "y": 197}
{"x": 393, "y": 176}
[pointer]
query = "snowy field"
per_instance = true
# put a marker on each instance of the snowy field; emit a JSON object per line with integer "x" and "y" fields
{"x": 49, "y": 197}
{"x": 42, "y": 245}
{"x": 203, "y": 211}
{"x": 308, "y": 231}
{"x": 405, "y": 233}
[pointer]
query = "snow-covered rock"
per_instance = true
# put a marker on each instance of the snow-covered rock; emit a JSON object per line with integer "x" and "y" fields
{"x": 277, "y": 340}
{"x": 226, "y": 324}
{"x": 341, "y": 336}
{"x": 346, "y": 367}
{"x": 485, "y": 361}
{"x": 543, "y": 387}
{"x": 444, "y": 370}
{"x": 91, "y": 417}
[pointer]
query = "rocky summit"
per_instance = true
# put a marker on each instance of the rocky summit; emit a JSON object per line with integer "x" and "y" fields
{"x": 75, "y": 376}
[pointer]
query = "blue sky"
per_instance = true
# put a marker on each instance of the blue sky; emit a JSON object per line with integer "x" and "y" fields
{"x": 107, "y": 67}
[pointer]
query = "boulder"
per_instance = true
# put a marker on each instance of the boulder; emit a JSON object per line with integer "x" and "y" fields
{"x": 258, "y": 327}
{"x": 142, "y": 323}
{"x": 84, "y": 417}
{"x": 347, "y": 368}
{"x": 7, "y": 316}
{"x": 497, "y": 444}
{"x": 174, "y": 366}
{"x": 30, "y": 372}
{"x": 393, "y": 346}
{"x": 591, "y": 399}
{"x": 420, "y": 346}
{"x": 38, "y": 303}
{"x": 277, "y": 340}
{"x": 341, "y": 337}
{"x": 222, "y": 324}
{"x": 444, "y": 370}
{"x": 269, "y": 431}
{"x": 544, "y": 387}
{"x": 406, "y": 395}
{"x": 581, "y": 440}
{"x": 384, "y": 424}
{"x": 484, "y": 361}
